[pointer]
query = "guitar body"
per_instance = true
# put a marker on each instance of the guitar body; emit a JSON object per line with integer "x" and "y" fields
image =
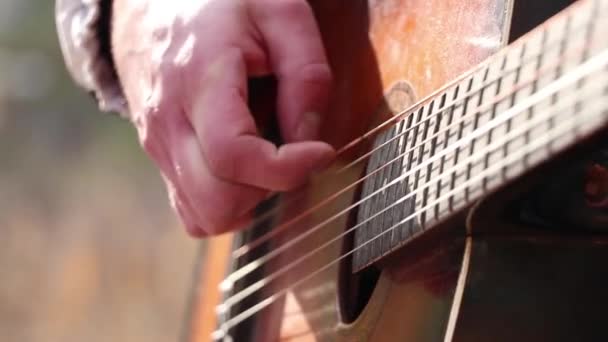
{"x": 475, "y": 278}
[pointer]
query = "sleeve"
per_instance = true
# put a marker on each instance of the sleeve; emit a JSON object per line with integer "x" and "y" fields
{"x": 83, "y": 27}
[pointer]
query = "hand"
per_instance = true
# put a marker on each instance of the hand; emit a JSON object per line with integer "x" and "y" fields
{"x": 184, "y": 67}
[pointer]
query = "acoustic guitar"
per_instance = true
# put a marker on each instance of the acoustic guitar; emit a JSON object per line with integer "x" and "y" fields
{"x": 469, "y": 199}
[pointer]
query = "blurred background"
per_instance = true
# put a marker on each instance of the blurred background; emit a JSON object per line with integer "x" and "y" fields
{"x": 89, "y": 248}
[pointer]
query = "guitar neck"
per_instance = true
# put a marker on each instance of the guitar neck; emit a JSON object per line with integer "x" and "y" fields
{"x": 520, "y": 108}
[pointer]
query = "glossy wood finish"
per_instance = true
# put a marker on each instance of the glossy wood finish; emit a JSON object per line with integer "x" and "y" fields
{"x": 542, "y": 288}
{"x": 372, "y": 45}
{"x": 207, "y": 296}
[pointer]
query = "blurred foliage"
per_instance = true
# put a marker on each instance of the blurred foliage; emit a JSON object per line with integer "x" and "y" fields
{"x": 89, "y": 250}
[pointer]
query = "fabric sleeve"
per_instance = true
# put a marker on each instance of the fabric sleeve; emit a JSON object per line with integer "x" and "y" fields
{"x": 83, "y": 28}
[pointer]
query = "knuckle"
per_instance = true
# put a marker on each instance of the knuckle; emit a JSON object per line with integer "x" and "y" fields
{"x": 222, "y": 163}
{"x": 319, "y": 73}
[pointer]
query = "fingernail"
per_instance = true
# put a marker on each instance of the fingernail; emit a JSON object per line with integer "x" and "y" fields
{"x": 309, "y": 127}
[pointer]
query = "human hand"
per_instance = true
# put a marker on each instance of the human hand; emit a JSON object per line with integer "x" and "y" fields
{"x": 184, "y": 67}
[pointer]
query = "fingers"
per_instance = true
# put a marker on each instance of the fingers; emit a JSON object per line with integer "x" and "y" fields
{"x": 193, "y": 117}
{"x": 217, "y": 205}
{"x": 298, "y": 58}
{"x": 228, "y": 136}
{"x": 182, "y": 207}
{"x": 155, "y": 139}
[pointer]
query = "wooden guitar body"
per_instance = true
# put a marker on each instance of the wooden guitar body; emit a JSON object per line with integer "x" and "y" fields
{"x": 477, "y": 277}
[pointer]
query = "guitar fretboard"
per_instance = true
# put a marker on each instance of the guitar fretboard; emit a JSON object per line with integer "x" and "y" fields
{"x": 521, "y": 107}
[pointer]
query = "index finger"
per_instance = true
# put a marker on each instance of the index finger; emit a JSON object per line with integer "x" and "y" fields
{"x": 298, "y": 59}
{"x": 229, "y": 139}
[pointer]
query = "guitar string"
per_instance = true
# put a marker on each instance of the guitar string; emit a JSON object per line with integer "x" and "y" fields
{"x": 370, "y": 240}
{"x": 401, "y": 115}
{"x": 452, "y": 105}
{"x": 565, "y": 126}
{"x": 252, "y": 310}
{"x": 251, "y": 266}
{"x": 514, "y": 111}
{"x": 275, "y": 252}
{"x": 235, "y": 298}
{"x": 257, "y": 263}
{"x": 231, "y": 323}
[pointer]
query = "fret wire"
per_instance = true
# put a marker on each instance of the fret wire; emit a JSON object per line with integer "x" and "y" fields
{"x": 241, "y": 251}
{"x": 422, "y": 153}
{"x": 410, "y": 162}
{"x": 513, "y": 100}
{"x": 567, "y": 102}
{"x": 366, "y": 253}
{"x": 493, "y": 116}
{"x": 563, "y": 46}
{"x": 408, "y": 166}
{"x": 376, "y": 224}
{"x": 505, "y": 150}
{"x": 435, "y": 140}
{"x": 460, "y": 134}
{"x": 604, "y": 89}
{"x": 391, "y": 193}
{"x": 363, "y": 235}
{"x": 478, "y": 114}
{"x": 382, "y": 220}
{"x": 433, "y": 148}
{"x": 530, "y": 128}
{"x": 534, "y": 88}
{"x": 241, "y": 316}
{"x": 589, "y": 30}
{"x": 442, "y": 160}
{"x": 403, "y": 231}
{"x": 448, "y": 135}
{"x": 515, "y": 137}
{"x": 470, "y": 92}
{"x": 562, "y": 49}
{"x": 375, "y": 227}
{"x": 255, "y": 264}
{"x": 496, "y": 94}
{"x": 398, "y": 192}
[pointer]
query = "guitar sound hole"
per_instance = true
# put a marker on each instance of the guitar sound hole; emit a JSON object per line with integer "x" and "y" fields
{"x": 354, "y": 289}
{"x": 376, "y": 220}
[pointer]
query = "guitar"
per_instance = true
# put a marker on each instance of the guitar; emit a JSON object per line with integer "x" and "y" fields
{"x": 468, "y": 199}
